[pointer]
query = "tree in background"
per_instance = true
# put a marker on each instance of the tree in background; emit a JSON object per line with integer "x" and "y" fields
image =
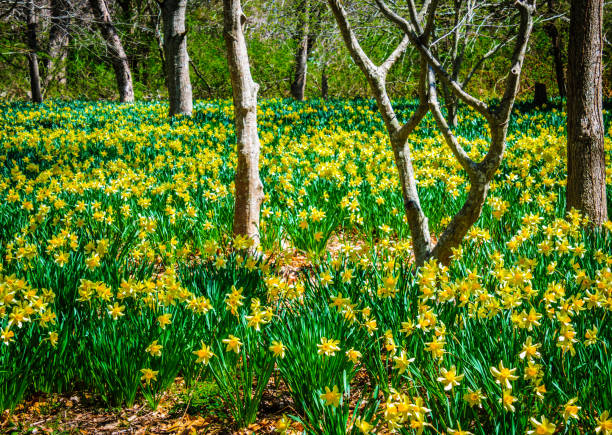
{"x": 118, "y": 57}
{"x": 556, "y": 46}
{"x": 249, "y": 194}
{"x": 176, "y": 57}
{"x": 586, "y": 168}
{"x": 32, "y": 41}
{"x": 308, "y": 27}
{"x": 59, "y": 35}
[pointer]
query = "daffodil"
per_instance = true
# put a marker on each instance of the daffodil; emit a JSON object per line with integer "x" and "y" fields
{"x": 331, "y": 397}
{"x": 503, "y": 375}
{"x": 204, "y": 354}
{"x": 154, "y": 349}
{"x": 541, "y": 427}
{"x": 278, "y": 349}
{"x": 116, "y": 310}
{"x": 148, "y": 375}
{"x": 449, "y": 378}
{"x": 233, "y": 344}
{"x": 328, "y": 347}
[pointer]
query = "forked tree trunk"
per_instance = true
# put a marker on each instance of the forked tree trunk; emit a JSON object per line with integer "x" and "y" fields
{"x": 55, "y": 63}
{"x": 586, "y": 169}
{"x": 248, "y": 187}
{"x": 298, "y": 85}
{"x": 176, "y": 57}
{"x": 480, "y": 173}
{"x": 118, "y": 57}
{"x": 32, "y": 39}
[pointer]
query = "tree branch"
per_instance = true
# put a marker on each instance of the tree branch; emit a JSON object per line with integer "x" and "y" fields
{"x": 404, "y": 25}
{"x": 393, "y": 57}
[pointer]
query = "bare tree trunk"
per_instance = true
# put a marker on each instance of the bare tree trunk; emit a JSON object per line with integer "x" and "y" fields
{"x": 298, "y": 86}
{"x": 248, "y": 187}
{"x": 540, "y": 97}
{"x": 586, "y": 169}
{"x": 324, "y": 83}
{"x": 452, "y": 105}
{"x": 176, "y": 57}
{"x": 118, "y": 57}
{"x": 556, "y": 49}
{"x": 55, "y": 63}
{"x": 32, "y": 25}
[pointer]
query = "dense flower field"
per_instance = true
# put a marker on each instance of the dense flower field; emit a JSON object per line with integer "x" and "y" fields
{"x": 116, "y": 272}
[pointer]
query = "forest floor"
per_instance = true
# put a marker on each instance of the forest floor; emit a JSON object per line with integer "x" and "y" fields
{"x": 182, "y": 410}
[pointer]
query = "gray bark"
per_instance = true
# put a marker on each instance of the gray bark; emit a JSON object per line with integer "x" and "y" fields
{"x": 324, "y": 83}
{"x": 298, "y": 85}
{"x": 55, "y": 63}
{"x": 118, "y": 57}
{"x": 586, "y": 168}
{"x": 176, "y": 57}
{"x": 32, "y": 40}
{"x": 248, "y": 186}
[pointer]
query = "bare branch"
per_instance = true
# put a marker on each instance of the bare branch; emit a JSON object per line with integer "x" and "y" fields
{"x": 451, "y": 140}
{"x": 468, "y": 99}
{"x": 393, "y": 57}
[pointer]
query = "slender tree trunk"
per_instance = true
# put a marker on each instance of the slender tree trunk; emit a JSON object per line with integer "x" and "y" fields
{"x": 248, "y": 187}
{"x": 540, "y": 96}
{"x": 556, "y": 49}
{"x": 324, "y": 83}
{"x": 118, "y": 57}
{"x": 452, "y": 105}
{"x": 298, "y": 86}
{"x": 32, "y": 27}
{"x": 586, "y": 169}
{"x": 59, "y": 34}
{"x": 176, "y": 56}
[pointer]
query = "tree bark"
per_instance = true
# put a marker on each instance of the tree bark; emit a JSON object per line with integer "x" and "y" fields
{"x": 540, "y": 97}
{"x": 55, "y": 63}
{"x": 248, "y": 186}
{"x": 586, "y": 169}
{"x": 298, "y": 86}
{"x": 118, "y": 57}
{"x": 556, "y": 50}
{"x": 176, "y": 57}
{"x": 324, "y": 84}
{"x": 32, "y": 39}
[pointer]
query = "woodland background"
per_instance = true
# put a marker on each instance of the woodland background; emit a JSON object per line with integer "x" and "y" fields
{"x": 74, "y": 58}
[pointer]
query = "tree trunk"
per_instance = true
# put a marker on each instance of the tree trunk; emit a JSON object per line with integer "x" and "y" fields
{"x": 324, "y": 84}
{"x": 32, "y": 38}
{"x": 452, "y": 105}
{"x": 176, "y": 57}
{"x": 248, "y": 187}
{"x": 540, "y": 97}
{"x": 556, "y": 50}
{"x": 117, "y": 53}
{"x": 298, "y": 86}
{"x": 586, "y": 169}
{"x": 55, "y": 63}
